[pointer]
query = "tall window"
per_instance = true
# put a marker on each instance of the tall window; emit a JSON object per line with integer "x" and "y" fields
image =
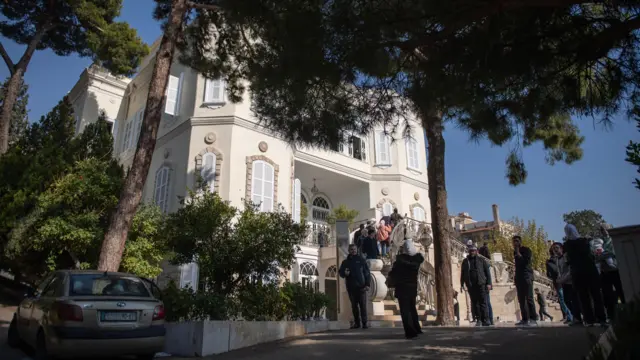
{"x": 383, "y": 149}
{"x": 208, "y": 171}
{"x": 262, "y": 185}
{"x": 214, "y": 91}
{"x": 297, "y": 198}
{"x": 412, "y": 154}
{"x": 127, "y": 134}
{"x": 320, "y": 209}
{"x": 387, "y": 209}
{"x": 418, "y": 213}
{"x": 174, "y": 90}
{"x": 161, "y": 194}
{"x": 357, "y": 148}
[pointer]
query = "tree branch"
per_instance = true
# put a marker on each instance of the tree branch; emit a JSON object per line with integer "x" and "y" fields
{"x": 7, "y": 59}
{"x": 194, "y": 5}
{"x": 33, "y": 45}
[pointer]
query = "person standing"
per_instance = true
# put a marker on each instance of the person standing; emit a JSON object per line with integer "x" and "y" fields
{"x": 358, "y": 237}
{"x": 584, "y": 275}
{"x": 524, "y": 282}
{"x": 404, "y": 275}
{"x": 476, "y": 276}
{"x": 355, "y": 270}
{"x": 384, "y": 231}
{"x": 484, "y": 251}
{"x": 369, "y": 245}
{"x": 609, "y": 278}
{"x": 395, "y": 218}
{"x": 543, "y": 305}
{"x": 558, "y": 272}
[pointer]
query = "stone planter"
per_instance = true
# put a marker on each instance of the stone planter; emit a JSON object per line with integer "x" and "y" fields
{"x": 203, "y": 338}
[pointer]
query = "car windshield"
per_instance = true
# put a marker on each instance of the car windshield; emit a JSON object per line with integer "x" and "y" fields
{"x": 106, "y": 285}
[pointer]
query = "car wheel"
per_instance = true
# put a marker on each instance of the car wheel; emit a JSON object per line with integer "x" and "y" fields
{"x": 41, "y": 352}
{"x": 13, "y": 337}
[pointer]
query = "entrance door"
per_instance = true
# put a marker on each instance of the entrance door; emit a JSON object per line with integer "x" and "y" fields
{"x": 331, "y": 289}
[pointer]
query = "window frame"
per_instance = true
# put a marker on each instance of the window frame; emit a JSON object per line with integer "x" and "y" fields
{"x": 164, "y": 207}
{"x": 411, "y": 145}
{"x": 222, "y": 99}
{"x": 175, "y": 110}
{"x": 210, "y": 184}
{"x": 380, "y": 145}
{"x": 263, "y": 181}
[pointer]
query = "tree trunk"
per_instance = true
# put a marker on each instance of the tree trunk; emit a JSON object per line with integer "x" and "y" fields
{"x": 439, "y": 219}
{"x": 115, "y": 239}
{"x": 13, "y": 87}
{"x": 10, "y": 97}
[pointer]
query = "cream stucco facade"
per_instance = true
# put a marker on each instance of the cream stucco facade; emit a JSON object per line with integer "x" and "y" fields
{"x": 203, "y": 136}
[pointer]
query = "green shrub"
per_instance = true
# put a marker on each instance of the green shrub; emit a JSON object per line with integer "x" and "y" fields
{"x": 186, "y": 304}
{"x": 302, "y": 303}
{"x": 258, "y": 302}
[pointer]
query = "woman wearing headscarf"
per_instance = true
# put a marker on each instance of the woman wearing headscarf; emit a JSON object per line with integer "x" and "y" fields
{"x": 584, "y": 275}
{"x": 404, "y": 278}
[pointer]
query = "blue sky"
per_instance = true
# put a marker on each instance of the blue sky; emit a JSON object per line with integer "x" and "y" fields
{"x": 475, "y": 172}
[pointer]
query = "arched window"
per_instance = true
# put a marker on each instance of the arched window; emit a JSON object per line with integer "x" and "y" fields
{"x": 309, "y": 275}
{"x": 308, "y": 269}
{"x": 418, "y": 213}
{"x": 161, "y": 193}
{"x": 262, "y": 185}
{"x": 331, "y": 273}
{"x": 387, "y": 209}
{"x": 320, "y": 209}
{"x": 303, "y": 199}
{"x": 208, "y": 171}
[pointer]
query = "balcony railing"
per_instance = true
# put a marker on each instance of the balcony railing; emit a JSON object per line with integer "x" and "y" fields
{"x": 319, "y": 238}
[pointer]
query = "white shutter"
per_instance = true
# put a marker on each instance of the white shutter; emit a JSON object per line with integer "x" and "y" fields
{"x": 387, "y": 209}
{"x": 161, "y": 193}
{"x": 297, "y": 201}
{"x": 412, "y": 154}
{"x": 382, "y": 149}
{"x": 214, "y": 91}
{"x": 363, "y": 148}
{"x": 173, "y": 91}
{"x": 189, "y": 276}
{"x": 114, "y": 131}
{"x": 139, "y": 126}
{"x": 208, "y": 171}
{"x": 295, "y": 272}
{"x": 418, "y": 214}
{"x": 262, "y": 185}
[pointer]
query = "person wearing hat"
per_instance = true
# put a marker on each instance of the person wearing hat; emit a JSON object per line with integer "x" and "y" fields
{"x": 476, "y": 276}
{"x": 404, "y": 278}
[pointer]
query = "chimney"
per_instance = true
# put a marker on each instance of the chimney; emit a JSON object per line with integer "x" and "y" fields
{"x": 496, "y": 216}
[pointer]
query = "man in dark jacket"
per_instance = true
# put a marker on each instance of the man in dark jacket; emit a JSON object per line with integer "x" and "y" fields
{"x": 370, "y": 245}
{"x": 484, "y": 251}
{"x": 476, "y": 276}
{"x": 524, "y": 282}
{"x": 584, "y": 275}
{"x": 355, "y": 271}
{"x": 404, "y": 277}
{"x": 358, "y": 234}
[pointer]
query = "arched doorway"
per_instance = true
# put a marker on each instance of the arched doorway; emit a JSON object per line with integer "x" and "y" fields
{"x": 331, "y": 290}
{"x": 309, "y": 276}
{"x": 320, "y": 210}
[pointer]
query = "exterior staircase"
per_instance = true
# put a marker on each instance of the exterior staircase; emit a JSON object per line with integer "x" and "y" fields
{"x": 392, "y": 318}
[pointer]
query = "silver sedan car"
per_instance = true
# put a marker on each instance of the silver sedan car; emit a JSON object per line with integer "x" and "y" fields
{"x": 77, "y": 313}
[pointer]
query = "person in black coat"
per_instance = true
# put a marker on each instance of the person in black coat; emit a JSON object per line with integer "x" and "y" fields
{"x": 355, "y": 270}
{"x": 524, "y": 282}
{"x": 404, "y": 278}
{"x": 476, "y": 276}
{"x": 584, "y": 275}
{"x": 369, "y": 245}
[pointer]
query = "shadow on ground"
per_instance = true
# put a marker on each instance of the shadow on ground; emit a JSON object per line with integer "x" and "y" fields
{"x": 436, "y": 343}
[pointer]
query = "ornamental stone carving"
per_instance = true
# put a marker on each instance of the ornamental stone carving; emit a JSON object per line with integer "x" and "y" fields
{"x": 385, "y": 191}
{"x": 210, "y": 138}
{"x": 263, "y": 146}
{"x": 416, "y": 196}
{"x": 386, "y": 200}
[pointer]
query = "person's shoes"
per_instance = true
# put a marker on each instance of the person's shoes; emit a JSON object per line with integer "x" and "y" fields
{"x": 478, "y": 324}
{"x": 412, "y": 337}
{"x": 486, "y": 324}
{"x": 576, "y": 323}
{"x": 355, "y": 326}
{"x": 567, "y": 321}
{"x": 532, "y": 323}
{"x": 420, "y": 332}
{"x": 521, "y": 323}
{"x": 365, "y": 326}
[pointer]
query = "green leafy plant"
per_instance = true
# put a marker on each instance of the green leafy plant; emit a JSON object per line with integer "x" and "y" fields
{"x": 633, "y": 150}
{"x": 261, "y": 302}
{"x": 533, "y": 236}
{"x": 342, "y": 212}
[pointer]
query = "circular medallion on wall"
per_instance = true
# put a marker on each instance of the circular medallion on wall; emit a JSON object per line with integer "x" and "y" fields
{"x": 263, "y": 146}
{"x": 416, "y": 196}
{"x": 385, "y": 191}
{"x": 210, "y": 138}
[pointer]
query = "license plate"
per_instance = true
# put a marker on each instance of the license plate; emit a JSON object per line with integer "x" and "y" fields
{"x": 118, "y": 316}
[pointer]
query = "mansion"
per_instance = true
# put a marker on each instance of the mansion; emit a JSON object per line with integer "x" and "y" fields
{"x": 204, "y": 136}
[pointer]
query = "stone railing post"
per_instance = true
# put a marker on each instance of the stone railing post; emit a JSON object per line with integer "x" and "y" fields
{"x": 500, "y": 272}
{"x": 378, "y": 289}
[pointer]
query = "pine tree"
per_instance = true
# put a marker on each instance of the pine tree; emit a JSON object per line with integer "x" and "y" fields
{"x": 19, "y": 120}
{"x": 84, "y": 27}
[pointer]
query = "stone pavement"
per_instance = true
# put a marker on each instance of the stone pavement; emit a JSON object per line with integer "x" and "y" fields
{"x": 508, "y": 343}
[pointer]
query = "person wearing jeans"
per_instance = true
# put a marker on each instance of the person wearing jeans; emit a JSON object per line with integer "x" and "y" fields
{"x": 558, "y": 272}
{"x": 355, "y": 270}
